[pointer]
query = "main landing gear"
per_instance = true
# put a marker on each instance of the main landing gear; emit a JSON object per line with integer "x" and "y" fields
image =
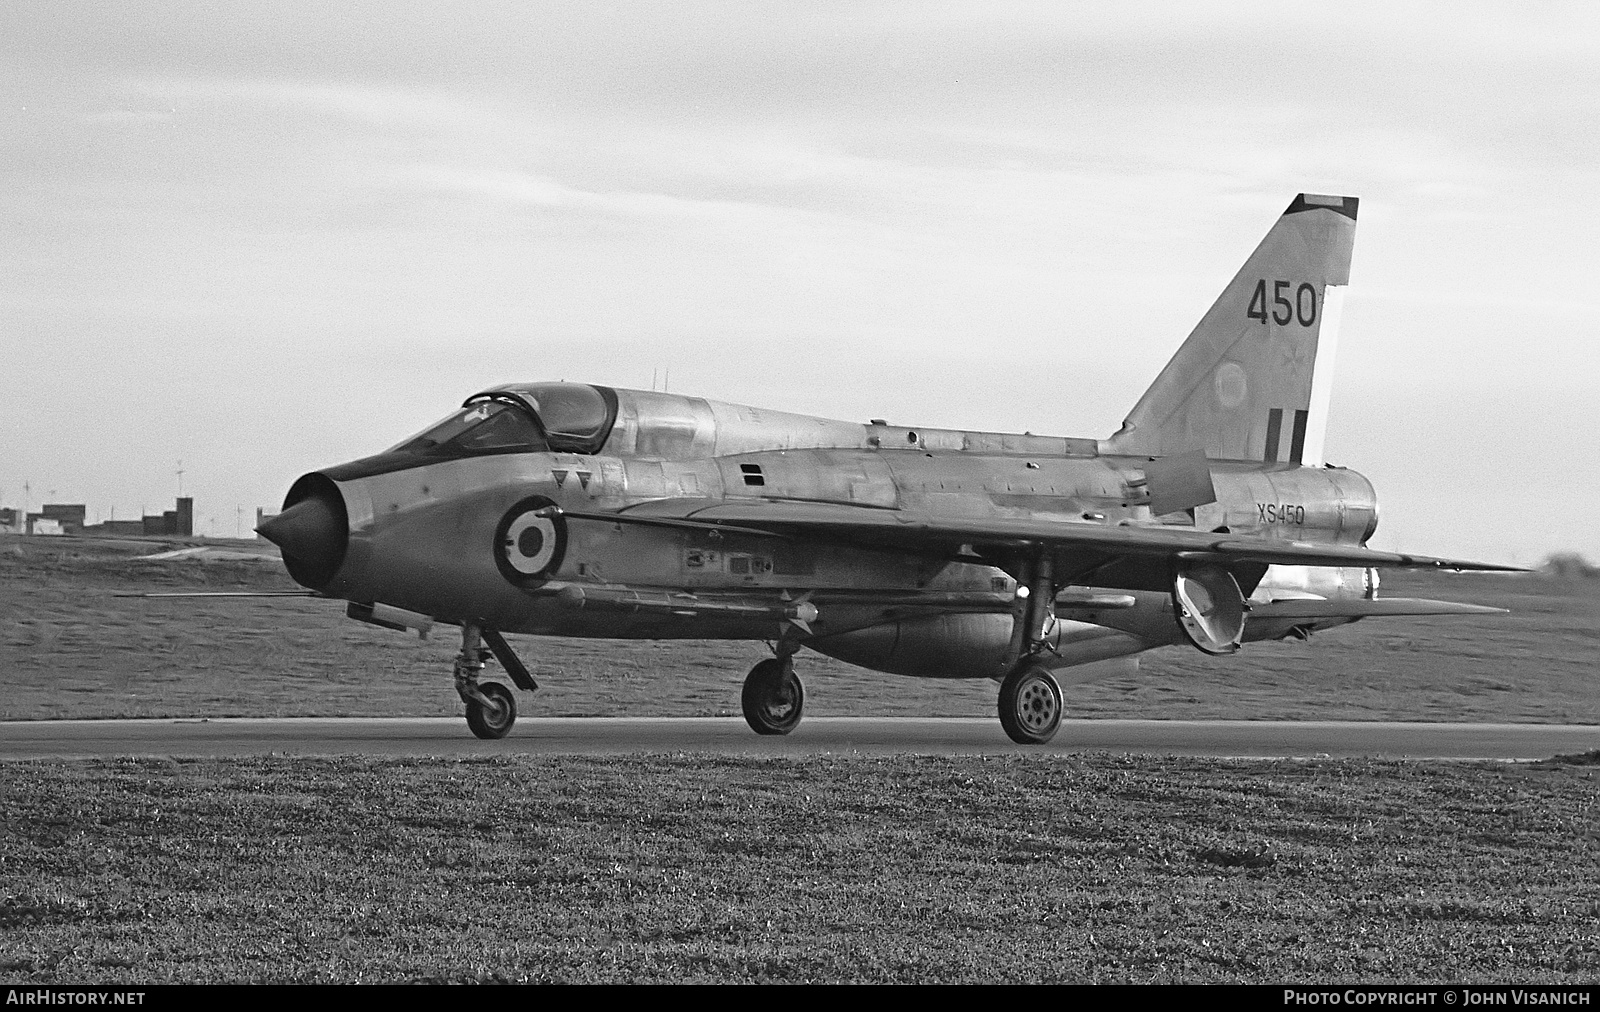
{"x": 773, "y": 698}
{"x": 491, "y": 707}
{"x": 1030, "y": 698}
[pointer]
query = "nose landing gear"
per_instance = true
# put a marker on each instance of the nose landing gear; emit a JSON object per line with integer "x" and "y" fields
{"x": 491, "y": 707}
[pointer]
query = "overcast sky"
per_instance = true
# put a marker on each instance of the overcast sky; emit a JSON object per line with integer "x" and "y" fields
{"x": 265, "y": 237}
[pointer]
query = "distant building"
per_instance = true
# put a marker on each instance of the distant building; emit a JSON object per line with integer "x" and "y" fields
{"x": 10, "y": 520}
{"x": 117, "y": 527}
{"x": 57, "y": 518}
{"x": 179, "y": 521}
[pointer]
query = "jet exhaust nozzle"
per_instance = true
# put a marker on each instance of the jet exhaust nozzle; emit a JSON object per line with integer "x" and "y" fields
{"x": 313, "y": 531}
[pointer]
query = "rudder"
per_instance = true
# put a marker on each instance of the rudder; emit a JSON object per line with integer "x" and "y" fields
{"x": 1253, "y": 379}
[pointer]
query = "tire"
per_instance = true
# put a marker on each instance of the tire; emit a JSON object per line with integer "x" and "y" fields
{"x": 492, "y": 722}
{"x": 773, "y": 698}
{"x": 1030, "y": 705}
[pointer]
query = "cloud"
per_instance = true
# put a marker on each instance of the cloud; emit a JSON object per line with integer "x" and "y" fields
{"x": 865, "y": 192}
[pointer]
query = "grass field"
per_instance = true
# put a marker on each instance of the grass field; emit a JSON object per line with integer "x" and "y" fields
{"x": 68, "y": 648}
{"x": 907, "y": 869}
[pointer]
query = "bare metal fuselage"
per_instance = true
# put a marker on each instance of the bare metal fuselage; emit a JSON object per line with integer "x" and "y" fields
{"x": 424, "y": 538}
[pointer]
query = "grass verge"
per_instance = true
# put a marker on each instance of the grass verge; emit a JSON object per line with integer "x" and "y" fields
{"x": 682, "y": 867}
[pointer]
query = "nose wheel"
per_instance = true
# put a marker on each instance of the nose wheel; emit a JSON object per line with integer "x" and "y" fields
{"x": 1030, "y": 704}
{"x": 773, "y": 697}
{"x": 492, "y": 715}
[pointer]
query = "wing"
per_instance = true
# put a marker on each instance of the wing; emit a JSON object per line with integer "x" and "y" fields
{"x": 956, "y": 536}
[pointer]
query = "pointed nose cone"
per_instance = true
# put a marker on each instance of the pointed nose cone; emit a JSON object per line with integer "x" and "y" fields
{"x": 309, "y": 529}
{"x": 312, "y": 534}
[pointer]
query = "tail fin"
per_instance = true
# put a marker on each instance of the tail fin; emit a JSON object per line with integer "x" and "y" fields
{"x": 1253, "y": 380}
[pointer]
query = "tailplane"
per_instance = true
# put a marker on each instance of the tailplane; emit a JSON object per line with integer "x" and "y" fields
{"x": 1253, "y": 379}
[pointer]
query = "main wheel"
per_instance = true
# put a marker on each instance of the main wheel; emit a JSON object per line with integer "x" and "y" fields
{"x": 494, "y": 720}
{"x": 773, "y": 698}
{"x": 1030, "y": 705}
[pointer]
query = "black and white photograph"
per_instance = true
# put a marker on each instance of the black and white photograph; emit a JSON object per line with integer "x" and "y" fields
{"x": 877, "y": 492}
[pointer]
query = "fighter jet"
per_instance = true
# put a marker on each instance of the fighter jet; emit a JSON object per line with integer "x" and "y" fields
{"x": 564, "y": 509}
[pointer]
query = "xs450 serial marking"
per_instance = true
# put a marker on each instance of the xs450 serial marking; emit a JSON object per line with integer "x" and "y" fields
{"x": 1280, "y": 513}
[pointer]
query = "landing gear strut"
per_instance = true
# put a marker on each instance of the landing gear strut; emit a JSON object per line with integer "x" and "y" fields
{"x": 491, "y": 708}
{"x": 1030, "y": 699}
{"x": 773, "y": 698}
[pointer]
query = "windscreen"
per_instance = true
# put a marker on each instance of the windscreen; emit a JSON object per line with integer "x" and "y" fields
{"x": 483, "y": 427}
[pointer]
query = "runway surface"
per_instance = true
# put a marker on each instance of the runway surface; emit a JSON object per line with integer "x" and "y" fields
{"x": 443, "y": 736}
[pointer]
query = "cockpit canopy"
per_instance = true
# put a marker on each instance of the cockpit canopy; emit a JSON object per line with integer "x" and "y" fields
{"x": 567, "y": 417}
{"x": 576, "y": 417}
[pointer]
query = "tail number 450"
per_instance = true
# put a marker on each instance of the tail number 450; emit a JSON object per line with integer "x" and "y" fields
{"x": 1302, "y": 309}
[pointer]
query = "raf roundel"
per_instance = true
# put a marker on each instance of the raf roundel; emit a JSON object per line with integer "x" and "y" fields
{"x": 529, "y": 547}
